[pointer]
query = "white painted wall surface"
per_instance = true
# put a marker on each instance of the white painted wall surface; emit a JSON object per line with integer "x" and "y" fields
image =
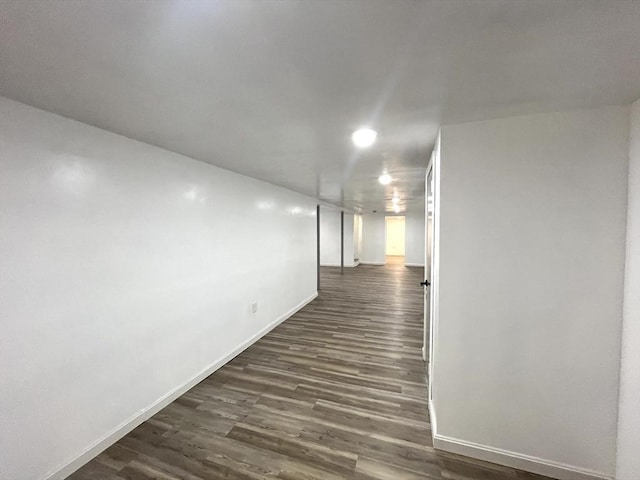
{"x": 395, "y": 235}
{"x": 349, "y": 240}
{"x": 415, "y": 238}
{"x": 373, "y": 239}
{"x": 357, "y": 237}
{"x": 532, "y": 232}
{"x": 628, "y": 458}
{"x": 125, "y": 271}
{"x": 330, "y": 238}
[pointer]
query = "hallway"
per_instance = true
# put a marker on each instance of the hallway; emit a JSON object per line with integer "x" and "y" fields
{"x": 337, "y": 391}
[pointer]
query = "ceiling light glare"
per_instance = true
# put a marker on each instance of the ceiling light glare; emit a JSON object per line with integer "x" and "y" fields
{"x": 384, "y": 179}
{"x": 396, "y": 209}
{"x": 364, "y": 137}
{"x": 395, "y": 200}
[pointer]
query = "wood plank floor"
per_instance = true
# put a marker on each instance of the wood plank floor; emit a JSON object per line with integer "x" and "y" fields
{"x": 338, "y": 391}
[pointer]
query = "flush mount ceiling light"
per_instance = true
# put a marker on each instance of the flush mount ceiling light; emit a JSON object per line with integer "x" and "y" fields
{"x": 384, "y": 179}
{"x": 364, "y": 137}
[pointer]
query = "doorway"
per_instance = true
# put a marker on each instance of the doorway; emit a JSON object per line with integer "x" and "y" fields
{"x": 394, "y": 239}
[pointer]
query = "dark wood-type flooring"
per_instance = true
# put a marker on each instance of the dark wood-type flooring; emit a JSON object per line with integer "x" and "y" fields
{"x": 338, "y": 391}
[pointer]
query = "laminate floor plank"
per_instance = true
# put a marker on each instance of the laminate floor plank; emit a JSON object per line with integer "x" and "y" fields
{"x": 338, "y": 391}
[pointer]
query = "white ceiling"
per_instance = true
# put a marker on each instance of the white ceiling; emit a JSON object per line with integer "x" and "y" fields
{"x": 274, "y": 89}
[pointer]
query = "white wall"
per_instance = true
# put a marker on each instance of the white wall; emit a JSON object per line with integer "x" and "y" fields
{"x": 415, "y": 238}
{"x": 357, "y": 237}
{"x": 628, "y": 459}
{"x": 373, "y": 239}
{"x": 532, "y": 229}
{"x": 349, "y": 240}
{"x": 126, "y": 270}
{"x": 330, "y": 238}
{"x": 395, "y": 235}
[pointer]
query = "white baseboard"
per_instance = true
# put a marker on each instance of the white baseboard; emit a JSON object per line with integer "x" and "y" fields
{"x": 414, "y": 265}
{"x": 511, "y": 459}
{"x": 338, "y": 265}
{"x": 433, "y": 422}
{"x": 140, "y": 417}
{"x": 363, "y": 262}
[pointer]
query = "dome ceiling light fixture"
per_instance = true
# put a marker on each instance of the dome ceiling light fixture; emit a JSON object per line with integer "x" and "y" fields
{"x": 385, "y": 179}
{"x": 364, "y": 137}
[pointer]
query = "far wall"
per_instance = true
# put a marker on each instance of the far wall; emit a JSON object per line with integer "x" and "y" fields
{"x": 414, "y": 251}
{"x": 373, "y": 238}
{"x": 330, "y": 238}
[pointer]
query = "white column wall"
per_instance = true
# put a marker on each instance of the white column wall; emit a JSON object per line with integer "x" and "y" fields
{"x": 373, "y": 239}
{"x": 628, "y": 458}
{"x": 330, "y": 238}
{"x": 531, "y": 260}
{"x": 415, "y": 246}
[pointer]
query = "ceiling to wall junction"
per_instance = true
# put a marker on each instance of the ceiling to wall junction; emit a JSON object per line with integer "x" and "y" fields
{"x": 274, "y": 90}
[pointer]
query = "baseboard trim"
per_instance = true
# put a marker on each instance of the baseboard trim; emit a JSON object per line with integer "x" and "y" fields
{"x": 338, "y": 265}
{"x": 508, "y": 458}
{"x": 362, "y": 262}
{"x": 414, "y": 265}
{"x": 434, "y": 423}
{"x": 140, "y": 417}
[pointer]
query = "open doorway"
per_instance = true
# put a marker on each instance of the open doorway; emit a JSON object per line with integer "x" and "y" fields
{"x": 395, "y": 239}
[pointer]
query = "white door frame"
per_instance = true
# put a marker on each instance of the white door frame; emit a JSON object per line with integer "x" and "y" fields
{"x": 429, "y": 321}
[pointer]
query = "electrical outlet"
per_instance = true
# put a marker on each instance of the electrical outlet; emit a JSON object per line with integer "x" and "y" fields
{"x": 254, "y": 307}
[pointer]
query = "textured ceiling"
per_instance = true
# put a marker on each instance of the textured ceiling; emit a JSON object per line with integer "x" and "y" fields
{"x": 274, "y": 89}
